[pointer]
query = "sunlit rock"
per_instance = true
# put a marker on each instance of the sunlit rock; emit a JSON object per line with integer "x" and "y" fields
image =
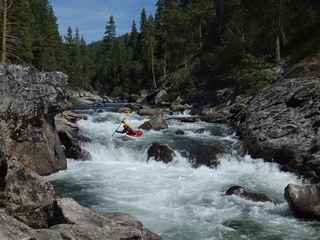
{"x": 304, "y": 201}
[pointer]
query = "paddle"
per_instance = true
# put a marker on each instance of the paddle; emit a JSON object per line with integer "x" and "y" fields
{"x": 120, "y": 123}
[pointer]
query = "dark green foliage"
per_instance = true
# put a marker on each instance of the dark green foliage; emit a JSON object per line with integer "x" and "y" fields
{"x": 19, "y": 32}
{"x": 47, "y": 43}
{"x": 254, "y": 73}
{"x": 186, "y": 43}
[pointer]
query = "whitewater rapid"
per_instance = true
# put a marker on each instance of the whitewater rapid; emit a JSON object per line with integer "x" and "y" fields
{"x": 175, "y": 200}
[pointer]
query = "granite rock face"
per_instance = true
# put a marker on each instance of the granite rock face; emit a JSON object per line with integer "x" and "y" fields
{"x": 29, "y": 101}
{"x": 282, "y": 122}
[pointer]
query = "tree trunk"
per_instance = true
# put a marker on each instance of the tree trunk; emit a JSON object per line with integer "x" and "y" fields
{"x": 200, "y": 36}
{"x": 4, "y": 32}
{"x": 152, "y": 69}
{"x": 277, "y": 30}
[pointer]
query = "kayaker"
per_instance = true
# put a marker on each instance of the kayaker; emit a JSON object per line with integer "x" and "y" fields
{"x": 127, "y": 129}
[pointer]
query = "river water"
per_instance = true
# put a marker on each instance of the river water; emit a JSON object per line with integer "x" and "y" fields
{"x": 175, "y": 200}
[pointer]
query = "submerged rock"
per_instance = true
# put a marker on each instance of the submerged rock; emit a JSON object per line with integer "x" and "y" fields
{"x": 239, "y": 191}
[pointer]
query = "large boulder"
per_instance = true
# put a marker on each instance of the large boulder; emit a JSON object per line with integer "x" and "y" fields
{"x": 155, "y": 123}
{"x": 282, "y": 122}
{"x": 65, "y": 219}
{"x": 161, "y": 152}
{"x": 23, "y": 187}
{"x": 304, "y": 201}
{"x": 29, "y": 101}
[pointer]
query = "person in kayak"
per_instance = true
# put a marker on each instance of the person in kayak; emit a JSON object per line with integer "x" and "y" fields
{"x": 127, "y": 129}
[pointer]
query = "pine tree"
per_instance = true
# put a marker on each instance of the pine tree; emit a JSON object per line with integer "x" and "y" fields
{"x": 19, "y": 34}
{"x": 143, "y": 19}
{"x": 134, "y": 42}
{"x": 47, "y": 47}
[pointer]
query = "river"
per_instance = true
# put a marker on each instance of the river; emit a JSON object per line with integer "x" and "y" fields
{"x": 176, "y": 200}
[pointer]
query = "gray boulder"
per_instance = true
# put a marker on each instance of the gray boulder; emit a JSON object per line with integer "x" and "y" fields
{"x": 156, "y": 123}
{"x": 23, "y": 187}
{"x": 11, "y": 228}
{"x": 161, "y": 152}
{"x": 80, "y": 221}
{"x": 29, "y": 101}
{"x": 304, "y": 201}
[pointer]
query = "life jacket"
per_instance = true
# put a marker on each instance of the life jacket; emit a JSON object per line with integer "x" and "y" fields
{"x": 127, "y": 129}
{"x": 126, "y": 124}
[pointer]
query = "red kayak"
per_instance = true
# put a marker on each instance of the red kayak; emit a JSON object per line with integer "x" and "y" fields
{"x": 139, "y": 133}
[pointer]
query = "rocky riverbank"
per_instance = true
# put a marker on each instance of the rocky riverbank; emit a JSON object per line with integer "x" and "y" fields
{"x": 31, "y": 147}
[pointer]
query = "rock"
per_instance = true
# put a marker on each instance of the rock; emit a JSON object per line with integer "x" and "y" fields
{"x": 65, "y": 218}
{"x": 304, "y": 201}
{"x": 180, "y": 107}
{"x": 200, "y": 131}
{"x": 158, "y": 98}
{"x": 69, "y": 135}
{"x": 186, "y": 119}
{"x": 161, "y": 153}
{"x": 84, "y": 222}
{"x": 124, "y": 110}
{"x": 36, "y": 213}
{"x": 281, "y": 123}
{"x": 225, "y": 114}
{"x": 203, "y": 111}
{"x": 239, "y": 191}
{"x": 156, "y": 123}
{"x": 23, "y": 186}
{"x": 11, "y": 228}
{"x": 179, "y": 132}
{"x": 134, "y": 106}
{"x": 29, "y": 101}
{"x": 84, "y": 97}
{"x": 208, "y": 157}
{"x": 148, "y": 111}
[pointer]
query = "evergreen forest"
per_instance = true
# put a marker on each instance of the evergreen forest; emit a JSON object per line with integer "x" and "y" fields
{"x": 182, "y": 47}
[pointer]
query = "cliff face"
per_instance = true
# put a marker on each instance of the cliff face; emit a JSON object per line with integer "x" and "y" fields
{"x": 29, "y": 101}
{"x": 282, "y": 122}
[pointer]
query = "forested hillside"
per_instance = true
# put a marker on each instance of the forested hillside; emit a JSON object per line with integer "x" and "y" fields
{"x": 184, "y": 45}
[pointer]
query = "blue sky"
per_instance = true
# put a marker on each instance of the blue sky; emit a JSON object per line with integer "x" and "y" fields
{"x": 91, "y": 16}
